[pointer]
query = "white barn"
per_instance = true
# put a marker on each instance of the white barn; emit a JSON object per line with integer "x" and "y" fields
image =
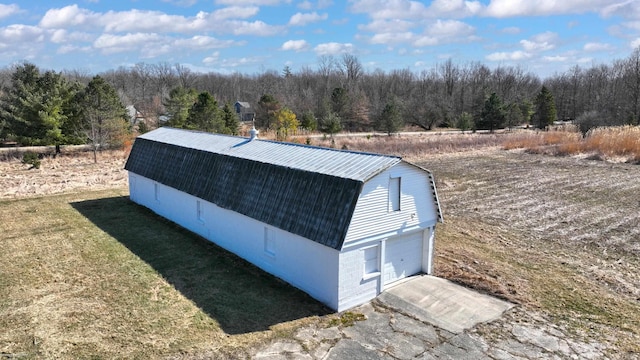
{"x": 339, "y": 225}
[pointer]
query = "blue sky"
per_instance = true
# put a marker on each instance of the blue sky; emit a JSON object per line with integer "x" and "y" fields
{"x": 251, "y": 36}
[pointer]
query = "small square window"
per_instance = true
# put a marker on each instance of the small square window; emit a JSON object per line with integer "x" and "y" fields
{"x": 371, "y": 260}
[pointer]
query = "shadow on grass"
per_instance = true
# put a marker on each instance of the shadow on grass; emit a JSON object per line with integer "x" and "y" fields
{"x": 239, "y": 296}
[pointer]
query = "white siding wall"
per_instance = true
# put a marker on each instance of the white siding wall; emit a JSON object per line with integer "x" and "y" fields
{"x": 374, "y": 223}
{"x": 372, "y": 218}
{"x": 301, "y": 262}
{"x": 355, "y": 287}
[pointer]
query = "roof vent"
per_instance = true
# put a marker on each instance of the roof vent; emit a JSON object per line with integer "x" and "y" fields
{"x": 253, "y": 133}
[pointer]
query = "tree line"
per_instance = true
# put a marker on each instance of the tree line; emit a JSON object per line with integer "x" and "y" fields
{"x": 72, "y": 106}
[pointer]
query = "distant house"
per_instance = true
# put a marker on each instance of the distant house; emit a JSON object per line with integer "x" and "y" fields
{"x": 135, "y": 116}
{"x": 340, "y": 225}
{"x": 244, "y": 111}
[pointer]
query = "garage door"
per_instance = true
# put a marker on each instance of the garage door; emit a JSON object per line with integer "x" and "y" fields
{"x": 402, "y": 257}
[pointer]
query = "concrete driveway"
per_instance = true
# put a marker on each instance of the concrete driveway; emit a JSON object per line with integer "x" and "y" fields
{"x": 429, "y": 318}
{"x": 442, "y": 303}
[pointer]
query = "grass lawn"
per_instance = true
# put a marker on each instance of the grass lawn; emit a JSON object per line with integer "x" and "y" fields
{"x": 94, "y": 275}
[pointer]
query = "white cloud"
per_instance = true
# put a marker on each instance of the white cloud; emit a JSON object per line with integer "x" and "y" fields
{"x": 334, "y": 48}
{"x": 322, "y": 4}
{"x": 185, "y": 3}
{"x": 309, "y": 5}
{"x": 454, "y": 8}
{"x": 394, "y": 9}
{"x": 407, "y": 9}
{"x": 235, "y": 12}
{"x": 540, "y": 42}
{"x": 202, "y": 42}
{"x": 437, "y": 32}
{"x": 450, "y": 29}
{"x": 512, "y": 30}
{"x": 422, "y": 41}
{"x": 629, "y": 9}
{"x": 305, "y": 5}
{"x": 295, "y": 45}
{"x": 21, "y": 34}
{"x": 301, "y": 19}
{"x": 593, "y": 46}
{"x": 209, "y": 60}
{"x": 111, "y": 44}
{"x": 256, "y": 28}
{"x": 511, "y": 8}
{"x": 252, "y": 2}
{"x": 66, "y": 49}
{"x": 225, "y": 20}
{"x": 557, "y": 58}
{"x": 59, "y": 36}
{"x": 67, "y": 16}
{"x": 392, "y": 38}
{"x": 510, "y": 56}
{"x": 635, "y": 43}
{"x": 387, "y": 26}
{"x": 8, "y": 10}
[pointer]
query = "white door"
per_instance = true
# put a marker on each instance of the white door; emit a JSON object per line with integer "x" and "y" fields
{"x": 402, "y": 257}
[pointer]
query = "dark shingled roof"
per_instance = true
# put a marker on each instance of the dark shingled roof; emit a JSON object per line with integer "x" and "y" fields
{"x": 315, "y": 205}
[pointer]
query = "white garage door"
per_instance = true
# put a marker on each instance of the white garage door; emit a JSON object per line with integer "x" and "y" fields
{"x": 402, "y": 257}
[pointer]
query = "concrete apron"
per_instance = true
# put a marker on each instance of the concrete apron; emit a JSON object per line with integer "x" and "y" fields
{"x": 442, "y": 303}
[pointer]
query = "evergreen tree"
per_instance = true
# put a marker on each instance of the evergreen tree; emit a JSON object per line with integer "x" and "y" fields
{"x": 231, "y": 121}
{"x": 526, "y": 108}
{"x": 514, "y": 115}
{"x": 205, "y": 115}
{"x": 545, "y": 109}
{"x": 178, "y": 104}
{"x": 309, "y": 121}
{"x": 267, "y": 107}
{"x": 390, "y": 120}
{"x": 464, "y": 122}
{"x": 493, "y": 114}
{"x": 331, "y": 123}
{"x": 73, "y": 127}
{"x": 34, "y": 106}
{"x": 339, "y": 100}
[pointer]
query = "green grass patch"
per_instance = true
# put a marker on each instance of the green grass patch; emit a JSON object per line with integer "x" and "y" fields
{"x": 93, "y": 274}
{"x": 347, "y": 319}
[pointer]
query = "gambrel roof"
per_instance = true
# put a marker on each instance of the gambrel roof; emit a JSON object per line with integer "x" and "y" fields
{"x": 306, "y": 190}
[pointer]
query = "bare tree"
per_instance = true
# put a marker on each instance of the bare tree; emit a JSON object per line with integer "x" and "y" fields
{"x": 352, "y": 69}
{"x": 186, "y": 78}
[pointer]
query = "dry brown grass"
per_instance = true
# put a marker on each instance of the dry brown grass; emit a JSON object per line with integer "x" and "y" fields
{"x": 615, "y": 141}
{"x": 610, "y": 143}
{"x": 71, "y": 170}
{"x": 415, "y": 146}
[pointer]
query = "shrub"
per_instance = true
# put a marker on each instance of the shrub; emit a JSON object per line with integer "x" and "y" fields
{"x": 588, "y": 121}
{"x": 31, "y": 158}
